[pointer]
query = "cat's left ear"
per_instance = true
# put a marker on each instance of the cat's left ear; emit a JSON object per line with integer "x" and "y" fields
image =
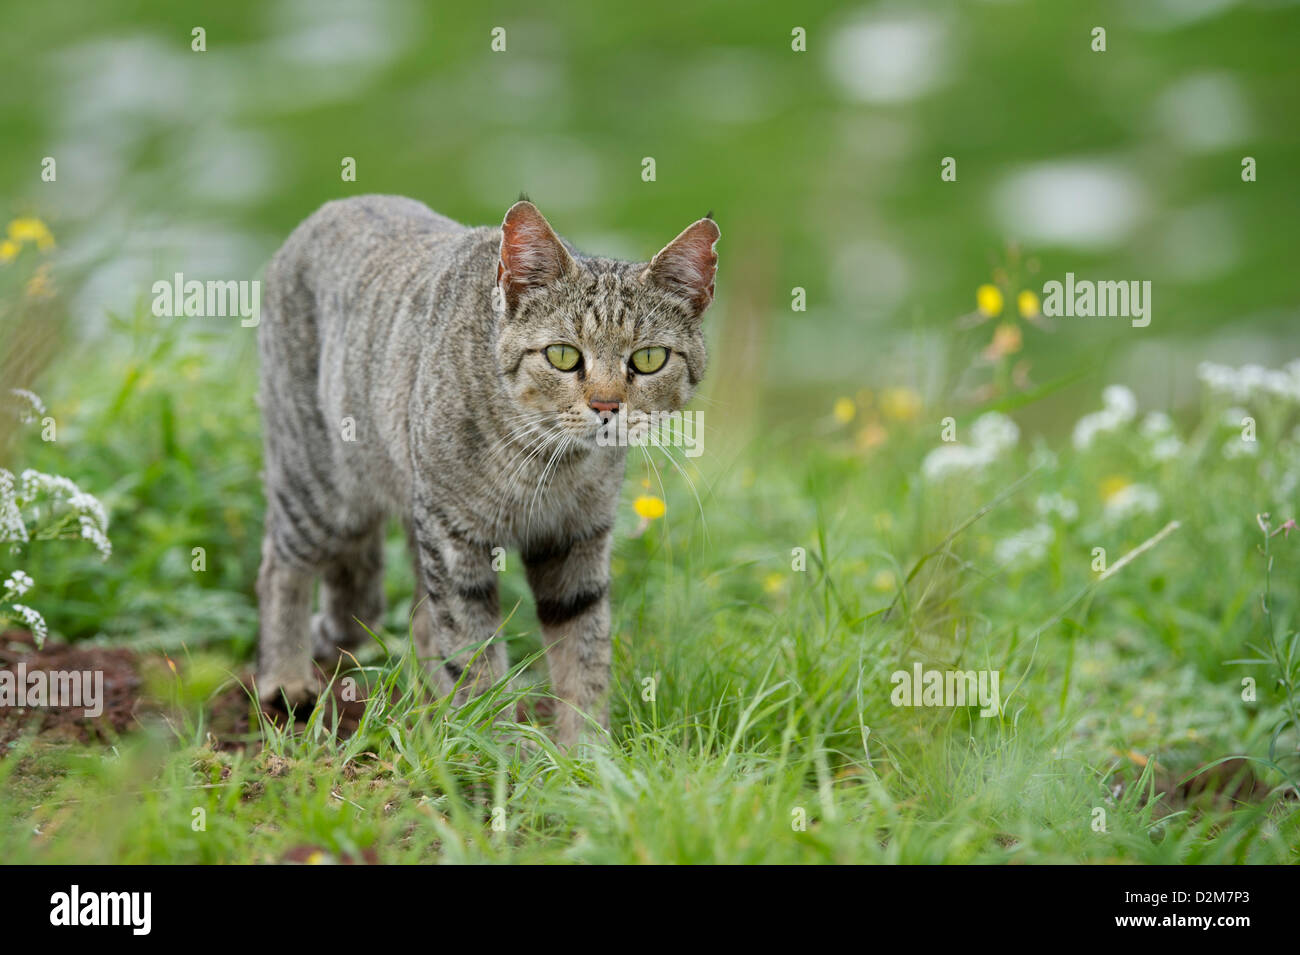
{"x": 688, "y": 264}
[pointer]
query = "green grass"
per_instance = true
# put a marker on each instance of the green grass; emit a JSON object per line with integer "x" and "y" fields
{"x": 772, "y": 688}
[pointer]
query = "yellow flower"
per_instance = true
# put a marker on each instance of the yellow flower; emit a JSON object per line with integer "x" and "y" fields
{"x": 884, "y": 581}
{"x": 31, "y": 230}
{"x": 9, "y": 250}
{"x": 989, "y": 300}
{"x": 774, "y": 583}
{"x": 649, "y": 508}
{"x": 901, "y": 404}
{"x": 844, "y": 410}
{"x": 1028, "y": 304}
{"x": 1112, "y": 486}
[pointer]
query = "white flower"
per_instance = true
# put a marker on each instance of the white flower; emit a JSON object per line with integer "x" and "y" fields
{"x": 1234, "y": 416}
{"x": 35, "y": 622}
{"x": 1155, "y": 424}
{"x": 1120, "y": 401}
{"x": 18, "y": 582}
{"x": 1027, "y": 547}
{"x": 1240, "y": 448}
{"x": 1058, "y": 504}
{"x": 1167, "y": 448}
{"x": 954, "y": 459}
{"x": 97, "y": 537}
{"x": 1120, "y": 409}
{"x": 1158, "y": 428}
{"x": 1252, "y": 381}
{"x": 1221, "y": 379}
{"x": 1131, "y": 500}
{"x": 994, "y": 431}
{"x": 90, "y": 513}
{"x": 12, "y": 527}
{"x": 29, "y": 405}
{"x": 991, "y": 434}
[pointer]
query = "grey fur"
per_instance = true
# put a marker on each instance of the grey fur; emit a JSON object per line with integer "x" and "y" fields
{"x": 381, "y": 312}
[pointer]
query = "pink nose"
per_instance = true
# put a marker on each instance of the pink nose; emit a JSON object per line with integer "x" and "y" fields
{"x": 599, "y": 405}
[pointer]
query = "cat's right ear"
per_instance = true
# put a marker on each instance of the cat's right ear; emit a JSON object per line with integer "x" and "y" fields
{"x": 532, "y": 255}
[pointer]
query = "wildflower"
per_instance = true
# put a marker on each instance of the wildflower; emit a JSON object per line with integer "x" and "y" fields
{"x": 1026, "y": 547}
{"x": 1113, "y": 485}
{"x": 901, "y": 404}
{"x": 871, "y": 436}
{"x": 35, "y": 623}
{"x": 31, "y": 230}
{"x": 12, "y": 527}
{"x": 1251, "y": 381}
{"x": 29, "y": 405}
{"x": 1240, "y": 448}
{"x": 1028, "y": 304}
{"x": 649, "y": 508}
{"x": 844, "y": 410}
{"x": 1006, "y": 341}
{"x": 1120, "y": 401}
{"x": 9, "y": 250}
{"x": 1057, "y": 504}
{"x": 1120, "y": 408}
{"x": 991, "y": 434}
{"x": 1158, "y": 428}
{"x": 995, "y": 431}
{"x": 774, "y": 583}
{"x": 884, "y": 581}
{"x": 18, "y": 583}
{"x": 1131, "y": 500}
{"x": 988, "y": 298}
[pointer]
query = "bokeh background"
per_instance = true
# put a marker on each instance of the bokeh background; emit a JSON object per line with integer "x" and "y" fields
{"x": 822, "y": 166}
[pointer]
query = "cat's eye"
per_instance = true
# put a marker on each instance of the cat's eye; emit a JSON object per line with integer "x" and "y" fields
{"x": 649, "y": 360}
{"x": 563, "y": 357}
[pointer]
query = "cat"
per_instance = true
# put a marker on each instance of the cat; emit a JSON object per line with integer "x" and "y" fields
{"x": 457, "y": 377}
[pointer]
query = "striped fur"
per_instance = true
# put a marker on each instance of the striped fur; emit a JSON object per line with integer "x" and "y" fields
{"x": 404, "y": 373}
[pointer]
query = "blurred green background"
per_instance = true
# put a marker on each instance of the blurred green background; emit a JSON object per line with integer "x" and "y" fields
{"x": 821, "y": 166}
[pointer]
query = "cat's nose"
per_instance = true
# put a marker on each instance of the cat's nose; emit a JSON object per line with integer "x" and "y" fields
{"x": 601, "y": 406}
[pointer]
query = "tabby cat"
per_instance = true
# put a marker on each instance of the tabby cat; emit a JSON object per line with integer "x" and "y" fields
{"x": 457, "y": 377}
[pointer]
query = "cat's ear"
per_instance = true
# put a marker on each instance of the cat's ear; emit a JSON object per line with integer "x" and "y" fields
{"x": 532, "y": 255}
{"x": 688, "y": 264}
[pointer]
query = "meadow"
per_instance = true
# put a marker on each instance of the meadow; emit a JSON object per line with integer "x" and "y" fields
{"x": 906, "y": 463}
{"x": 758, "y": 628}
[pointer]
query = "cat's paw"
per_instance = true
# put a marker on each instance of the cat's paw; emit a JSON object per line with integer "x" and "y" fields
{"x": 286, "y": 694}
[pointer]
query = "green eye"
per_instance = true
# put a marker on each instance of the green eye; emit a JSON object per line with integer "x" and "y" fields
{"x": 649, "y": 360}
{"x": 563, "y": 357}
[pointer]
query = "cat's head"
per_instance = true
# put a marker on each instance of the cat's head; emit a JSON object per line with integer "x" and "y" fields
{"x": 581, "y": 338}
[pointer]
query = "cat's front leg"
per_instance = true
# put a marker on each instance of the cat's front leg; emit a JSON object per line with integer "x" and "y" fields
{"x": 457, "y": 615}
{"x": 570, "y": 584}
